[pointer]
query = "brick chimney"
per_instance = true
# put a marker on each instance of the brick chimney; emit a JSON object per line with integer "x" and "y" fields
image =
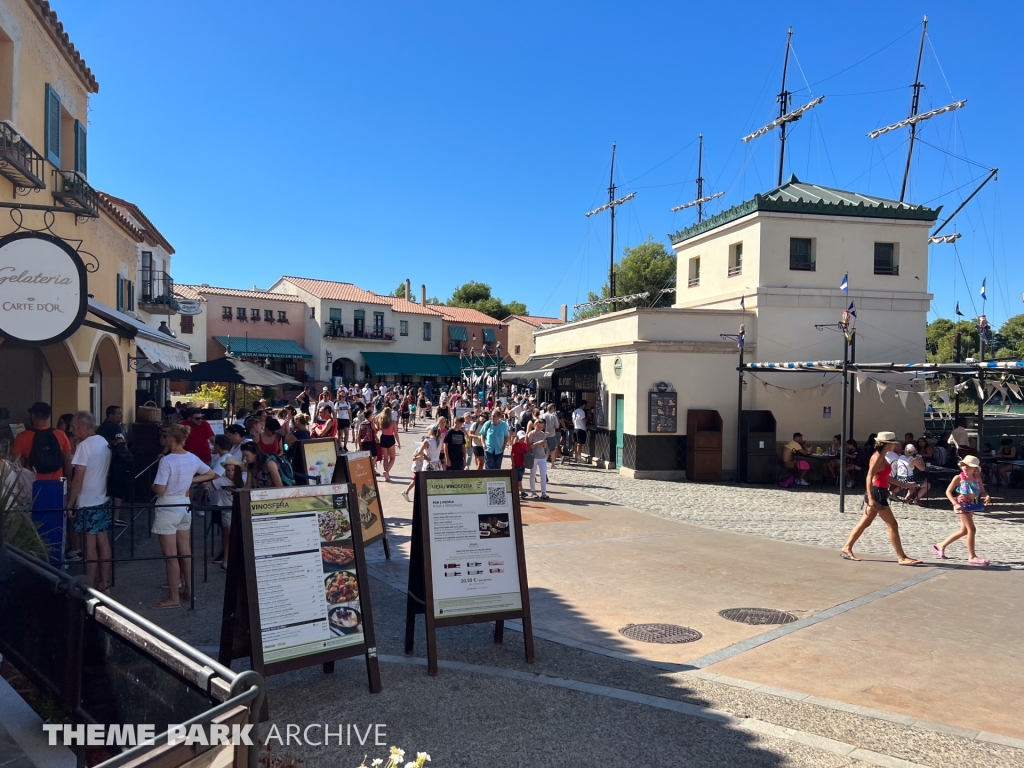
{"x": 563, "y": 314}
{"x": 408, "y": 289}
{"x": 423, "y": 295}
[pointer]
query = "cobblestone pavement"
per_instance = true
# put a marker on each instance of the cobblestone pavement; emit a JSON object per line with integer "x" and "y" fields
{"x": 810, "y": 515}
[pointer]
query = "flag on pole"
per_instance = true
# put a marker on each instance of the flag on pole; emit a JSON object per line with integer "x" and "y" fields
{"x": 983, "y": 296}
{"x": 958, "y": 312}
{"x": 741, "y": 336}
{"x": 852, "y": 310}
{"x": 845, "y": 285}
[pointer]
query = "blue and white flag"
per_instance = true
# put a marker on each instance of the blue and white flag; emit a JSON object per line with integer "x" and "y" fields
{"x": 845, "y": 285}
{"x": 852, "y": 310}
{"x": 983, "y": 296}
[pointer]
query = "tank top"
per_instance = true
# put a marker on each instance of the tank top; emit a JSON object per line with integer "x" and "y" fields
{"x": 881, "y": 480}
{"x": 433, "y": 450}
{"x": 390, "y": 431}
{"x": 968, "y": 487}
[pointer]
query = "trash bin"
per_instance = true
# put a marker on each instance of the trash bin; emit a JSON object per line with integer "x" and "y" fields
{"x": 757, "y": 444}
{"x": 703, "y": 446}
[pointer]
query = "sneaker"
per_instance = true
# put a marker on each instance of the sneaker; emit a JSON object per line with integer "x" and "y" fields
{"x": 405, "y": 495}
{"x": 544, "y": 496}
{"x": 802, "y": 482}
{"x": 118, "y": 522}
{"x": 74, "y": 556}
{"x": 849, "y": 483}
{"x": 219, "y": 558}
{"x": 524, "y": 495}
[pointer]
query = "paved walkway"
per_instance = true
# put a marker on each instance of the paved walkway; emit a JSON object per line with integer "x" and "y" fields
{"x": 885, "y": 665}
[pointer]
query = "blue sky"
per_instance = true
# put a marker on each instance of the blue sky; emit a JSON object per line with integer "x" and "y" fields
{"x": 451, "y": 141}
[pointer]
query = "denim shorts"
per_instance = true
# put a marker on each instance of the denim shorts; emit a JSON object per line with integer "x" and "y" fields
{"x": 93, "y": 520}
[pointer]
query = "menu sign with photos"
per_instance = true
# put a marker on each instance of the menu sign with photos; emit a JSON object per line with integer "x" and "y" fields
{"x": 317, "y": 458}
{"x": 356, "y": 467}
{"x": 661, "y": 413}
{"x": 467, "y": 563}
{"x": 303, "y": 578}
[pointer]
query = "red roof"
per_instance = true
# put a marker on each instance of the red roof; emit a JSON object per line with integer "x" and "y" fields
{"x": 200, "y": 291}
{"x": 401, "y": 305}
{"x": 56, "y": 31}
{"x": 464, "y": 315}
{"x": 535, "y": 321}
{"x": 141, "y": 222}
{"x": 331, "y": 289}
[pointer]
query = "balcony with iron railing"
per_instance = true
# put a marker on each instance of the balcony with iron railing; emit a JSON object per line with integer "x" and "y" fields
{"x": 19, "y": 162}
{"x": 334, "y": 330}
{"x": 72, "y": 191}
{"x": 156, "y": 294}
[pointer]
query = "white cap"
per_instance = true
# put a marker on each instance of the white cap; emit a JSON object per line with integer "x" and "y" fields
{"x": 520, "y": 434}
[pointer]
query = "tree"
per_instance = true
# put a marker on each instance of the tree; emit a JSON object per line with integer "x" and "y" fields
{"x": 648, "y": 267}
{"x": 477, "y": 295}
{"x": 399, "y": 292}
{"x": 1010, "y": 338}
{"x": 941, "y": 340}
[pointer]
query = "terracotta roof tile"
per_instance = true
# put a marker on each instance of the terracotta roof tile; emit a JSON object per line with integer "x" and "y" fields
{"x": 119, "y": 216}
{"x": 337, "y": 291}
{"x": 401, "y": 305}
{"x": 465, "y": 315}
{"x": 132, "y": 211}
{"x": 535, "y": 321}
{"x": 241, "y": 293}
{"x": 187, "y": 292}
{"x": 53, "y": 25}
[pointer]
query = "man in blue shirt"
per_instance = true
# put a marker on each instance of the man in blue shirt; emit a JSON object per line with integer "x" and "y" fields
{"x": 495, "y": 436}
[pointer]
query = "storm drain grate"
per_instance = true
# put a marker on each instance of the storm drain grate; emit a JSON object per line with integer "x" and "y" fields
{"x": 660, "y": 633}
{"x": 757, "y": 616}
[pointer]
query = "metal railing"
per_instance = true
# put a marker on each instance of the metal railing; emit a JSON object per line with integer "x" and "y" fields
{"x": 100, "y": 662}
{"x": 887, "y": 269}
{"x": 156, "y": 287}
{"x": 72, "y": 191}
{"x": 736, "y": 270}
{"x": 801, "y": 266}
{"x": 19, "y": 162}
{"x": 335, "y": 330}
{"x": 693, "y": 282}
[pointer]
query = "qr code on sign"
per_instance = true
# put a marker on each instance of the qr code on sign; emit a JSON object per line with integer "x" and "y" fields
{"x": 496, "y": 495}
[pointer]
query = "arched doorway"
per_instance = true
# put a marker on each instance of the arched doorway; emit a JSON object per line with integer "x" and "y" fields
{"x": 108, "y": 376}
{"x": 344, "y": 368}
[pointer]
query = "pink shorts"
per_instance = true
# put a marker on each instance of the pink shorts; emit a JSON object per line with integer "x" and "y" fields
{"x": 803, "y": 465}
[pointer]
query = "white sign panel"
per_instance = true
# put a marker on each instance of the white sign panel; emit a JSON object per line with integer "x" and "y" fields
{"x": 43, "y": 288}
{"x": 306, "y": 582}
{"x": 474, "y": 563}
{"x": 189, "y": 307}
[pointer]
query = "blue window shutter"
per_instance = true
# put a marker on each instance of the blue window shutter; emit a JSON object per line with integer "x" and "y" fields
{"x": 80, "y": 149}
{"x": 131, "y": 296}
{"x": 120, "y": 292}
{"x": 52, "y": 136}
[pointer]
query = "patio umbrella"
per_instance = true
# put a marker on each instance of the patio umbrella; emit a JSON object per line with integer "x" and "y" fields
{"x": 231, "y": 370}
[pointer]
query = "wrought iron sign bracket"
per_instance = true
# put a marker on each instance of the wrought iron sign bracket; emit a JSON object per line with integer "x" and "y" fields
{"x": 92, "y": 264}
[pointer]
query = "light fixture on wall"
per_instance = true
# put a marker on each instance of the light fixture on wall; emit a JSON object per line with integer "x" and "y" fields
{"x": 330, "y": 359}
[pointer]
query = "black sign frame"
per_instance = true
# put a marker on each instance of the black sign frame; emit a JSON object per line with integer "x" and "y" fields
{"x": 663, "y": 423}
{"x": 342, "y": 474}
{"x": 420, "y": 593}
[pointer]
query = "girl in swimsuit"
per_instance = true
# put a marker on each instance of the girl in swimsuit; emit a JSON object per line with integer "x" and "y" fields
{"x": 969, "y": 489}
{"x": 877, "y": 501}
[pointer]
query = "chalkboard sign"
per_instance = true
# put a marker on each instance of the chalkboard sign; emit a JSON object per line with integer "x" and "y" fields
{"x": 601, "y": 407}
{"x": 661, "y": 412}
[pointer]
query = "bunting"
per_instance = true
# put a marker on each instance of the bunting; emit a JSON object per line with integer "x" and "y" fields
{"x": 881, "y": 390}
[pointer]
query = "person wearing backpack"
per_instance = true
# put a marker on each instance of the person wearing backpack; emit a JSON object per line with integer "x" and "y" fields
{"x": 45, "y": 451}
{"x": 262, "y": 471}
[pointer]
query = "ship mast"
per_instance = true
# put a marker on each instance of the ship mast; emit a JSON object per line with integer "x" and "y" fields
{"x": 914, "y": 102}
{"x": 784, "y": 99}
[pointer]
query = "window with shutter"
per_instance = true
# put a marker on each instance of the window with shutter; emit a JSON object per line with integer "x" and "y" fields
{"x": 186, "y": 324}
{"x": 80, "y": 159}
{"x": 131, "y": 296}
{"x": 52, "y": 126}
{"x": 120, "y": 293}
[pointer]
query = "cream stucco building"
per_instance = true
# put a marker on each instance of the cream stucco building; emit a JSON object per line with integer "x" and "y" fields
{"x": 784, "y": 254}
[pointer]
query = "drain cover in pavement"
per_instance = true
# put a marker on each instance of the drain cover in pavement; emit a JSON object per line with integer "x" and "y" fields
{"x": 757, "y": 616}
{"x": 660, "y": 633}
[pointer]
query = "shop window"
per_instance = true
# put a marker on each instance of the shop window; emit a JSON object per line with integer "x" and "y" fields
{"x": 426, "y": 331}
{"x": 886, "y": 259}
{"x": 735, "y": 259}
{"x": 801, "y": 254}
{"x": 403, "y": 327}
{"x": 694, "y": 274}
{"x": 186, "y": 323}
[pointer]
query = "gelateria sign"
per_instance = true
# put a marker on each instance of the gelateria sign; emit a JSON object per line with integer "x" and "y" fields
{"x": 44, "y": 291}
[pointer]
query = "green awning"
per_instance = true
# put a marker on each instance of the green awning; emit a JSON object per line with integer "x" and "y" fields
{"x": 383, "y": 363}
{"x": 490, "y": 335}
{"x": 253, "y": 346}
{"x": 457, "y": 333}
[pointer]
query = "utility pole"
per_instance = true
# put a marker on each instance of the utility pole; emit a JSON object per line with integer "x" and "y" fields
{"x": 611, "y": 205}
{"x": 784, "y": 99}
{"x": 914, "y": 102}
{"x": 700, "y": 179}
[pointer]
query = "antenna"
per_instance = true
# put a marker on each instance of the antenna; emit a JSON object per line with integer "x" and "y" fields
{"x": 784, "y": 98}
{"x": 915, "y": 99}
{"x": 610, "y": 206}
{"x": 699, "y": 202}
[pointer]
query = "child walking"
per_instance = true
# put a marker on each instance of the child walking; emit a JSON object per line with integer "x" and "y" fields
{"x": 519, "y": 449}
{"x": 970, "y": 497}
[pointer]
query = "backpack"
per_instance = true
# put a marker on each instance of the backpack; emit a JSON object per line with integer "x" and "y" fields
{"x": 367, "y": 433}
{"x": 122, "y": 470}
{"x": 45, "y": 455}
{"x": 284, "y": 469}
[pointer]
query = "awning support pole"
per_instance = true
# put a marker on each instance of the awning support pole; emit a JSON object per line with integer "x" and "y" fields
{"x": 842, "y": 437}
{"x": 739, "y": 416}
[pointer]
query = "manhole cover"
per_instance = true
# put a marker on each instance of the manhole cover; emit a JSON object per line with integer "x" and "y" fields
{"x": 757, "y": 616}
{"x": 660, "y": 633}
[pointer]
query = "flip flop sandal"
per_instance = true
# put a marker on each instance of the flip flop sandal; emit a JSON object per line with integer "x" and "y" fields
{"x": 846, "y": 557}
{"x": 978, "y": 561}
{"x": 159, "y": 606}
{"x": 939, "y": 554}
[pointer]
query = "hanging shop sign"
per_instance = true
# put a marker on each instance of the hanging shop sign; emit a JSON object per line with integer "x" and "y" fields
{"x": 189, "y": 307}
{"x": 298, "y": 593}
{"x": 44, "y": 288}
{"x": 356, "y": 467}
{"x": 467, "y": 561}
